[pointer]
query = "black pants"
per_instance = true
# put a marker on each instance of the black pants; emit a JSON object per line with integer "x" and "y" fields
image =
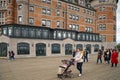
{"x": 79, "y": 67}
{"x": 99, "y": 59}
{"x": 113, "y": 64}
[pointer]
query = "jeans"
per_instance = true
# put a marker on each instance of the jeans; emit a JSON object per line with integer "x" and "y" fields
{"x": 79, "y": 67}
{"x": 86, "y": 58}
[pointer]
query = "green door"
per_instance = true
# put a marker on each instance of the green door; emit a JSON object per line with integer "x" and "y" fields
{"x": 68, "y": 49}
{"x": 40, "y": 49}
{"x": 3, "y": 49}
{"x": 88, "y": 48}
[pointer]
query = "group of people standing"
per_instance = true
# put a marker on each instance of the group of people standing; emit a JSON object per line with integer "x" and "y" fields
{"x": 11, "y": 55}
{"x": 109, "y": 55}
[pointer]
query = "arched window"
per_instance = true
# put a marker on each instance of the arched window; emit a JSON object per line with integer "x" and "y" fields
{"x": 96, "y": 48}
{"x": 56, "y": 48}
{"x": 79, "y": 46}
{"x": 23, "y": 48}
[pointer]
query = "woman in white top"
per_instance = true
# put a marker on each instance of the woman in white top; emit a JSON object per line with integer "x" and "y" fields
{"x": 79, "y": 59}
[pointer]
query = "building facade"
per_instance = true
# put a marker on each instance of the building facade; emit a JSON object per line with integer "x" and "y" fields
{"x": 55, "y": 27}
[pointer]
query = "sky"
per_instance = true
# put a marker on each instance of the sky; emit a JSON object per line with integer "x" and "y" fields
{"x": 118, "y": 22}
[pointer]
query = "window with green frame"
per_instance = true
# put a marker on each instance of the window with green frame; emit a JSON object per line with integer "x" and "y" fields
{"x": 55, "y": 48}
{"x": 23, "y": 48}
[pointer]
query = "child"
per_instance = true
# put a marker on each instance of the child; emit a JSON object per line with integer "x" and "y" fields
{"x": 62, "y": 68}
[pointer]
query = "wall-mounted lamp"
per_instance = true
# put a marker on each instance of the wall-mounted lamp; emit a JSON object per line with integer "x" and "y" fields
{"x": 32, "y": 44}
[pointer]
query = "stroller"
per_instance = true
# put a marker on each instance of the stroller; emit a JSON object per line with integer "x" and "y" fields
{"x": 66, "y": 73}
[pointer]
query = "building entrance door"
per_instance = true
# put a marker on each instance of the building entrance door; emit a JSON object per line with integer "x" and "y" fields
{"x": 88, "y": 48}
{"x": 3, "y": 49}
{"x": 40, "y": 49}
{"x": 68, "y": 49}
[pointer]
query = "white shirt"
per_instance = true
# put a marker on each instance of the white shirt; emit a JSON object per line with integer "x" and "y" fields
{"x": 78, "y": 57}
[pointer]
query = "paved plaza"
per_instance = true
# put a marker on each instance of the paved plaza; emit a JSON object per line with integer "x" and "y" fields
{"x": 45, "y": 68}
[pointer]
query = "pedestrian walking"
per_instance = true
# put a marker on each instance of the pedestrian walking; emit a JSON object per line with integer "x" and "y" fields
{"x": 9, "y": 55}
{"x": 74, "y": 51}
{"x": 12, "y": 55}
{"x": 79, "y": 59}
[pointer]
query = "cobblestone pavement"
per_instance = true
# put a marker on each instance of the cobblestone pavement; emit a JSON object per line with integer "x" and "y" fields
{"x": 45, "y": 68}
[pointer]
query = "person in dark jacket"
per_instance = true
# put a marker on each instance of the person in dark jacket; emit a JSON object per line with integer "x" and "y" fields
{"x": 85, "y": 55}
{"x": 99, "y": 57}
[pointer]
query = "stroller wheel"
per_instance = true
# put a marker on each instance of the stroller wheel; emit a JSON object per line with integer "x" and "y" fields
{"x": 71, "y": 75}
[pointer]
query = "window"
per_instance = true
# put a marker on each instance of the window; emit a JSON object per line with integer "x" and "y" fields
{"x": 59, "y": 4}
{"x": 17, "y": 31}
{"x": 43, "y": 22}
{"x": 2, "y": 18}
{"x": 5, "y": 31}
{"x": 23, "y": 48}
{"x": 45, "y": 34}
{"x": 46, "y": 11}
{"x": 102, "y": 9}
{"x": 64, "y": 34}
{"x": 78, "y": 9}
{"x": 81, "y": 2}
{"x": 77, "y": 18}
{"x": 25, "y": 32}
{"x": 38, "y": 33}
{"x": 43, "y": 11}
{"x": 46, "y": 23}
{"x": 102, "y": 26}
{"x": 58, "y": 13}
{"x": 31, "y": 21}
{"x": 2, "y": 14}
{"x": 103, "y": 38}
{"x": 63, "y": 13}
{"x": 59, "y": 34}
{"x": 20, "y": 19}
{"x": 63, "y": 25}
{"x": 49, "y": 12}
{"x": 77, "y": 27}
{"x": 104, "y": 17}
{"x": 56, "y": 48}
{"x": 32, "y": 32}
{"x": 19, "y": 7}
{"x": 31, "y": 8}
{"x": 49, "y": 1}
{"x": 10, "y": 31}
{"x": 58, "y": 24}
{"x": 44, "y": 1}
{"x": 74, "y": 27}
{"x": 70, "y": 16}
{"x": 73, "y": 17}
{"x": 70, "y": 26}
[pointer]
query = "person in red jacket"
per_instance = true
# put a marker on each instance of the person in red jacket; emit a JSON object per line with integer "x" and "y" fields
{"x": 114, "y": 58}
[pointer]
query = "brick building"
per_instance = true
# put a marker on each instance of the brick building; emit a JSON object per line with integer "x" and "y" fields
{"x": 55, "y": 27}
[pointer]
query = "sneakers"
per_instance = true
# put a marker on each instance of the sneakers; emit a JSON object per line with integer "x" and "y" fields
{"x": 80, "y": 75}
